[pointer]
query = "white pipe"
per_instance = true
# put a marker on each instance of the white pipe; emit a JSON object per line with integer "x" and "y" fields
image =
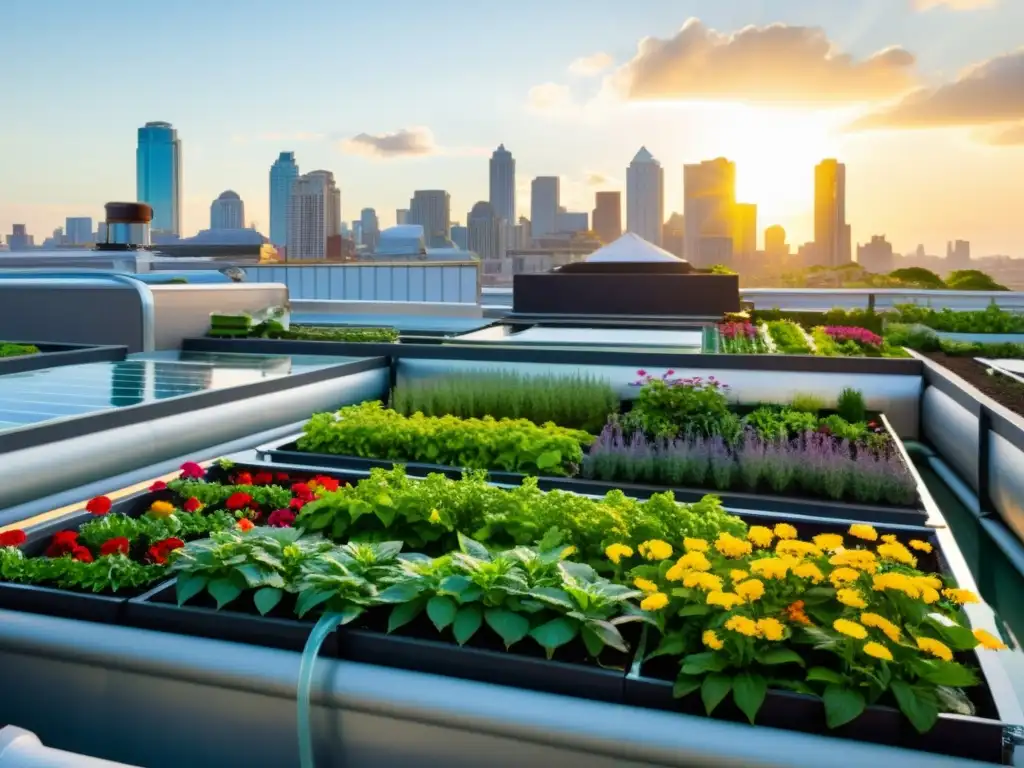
{"x": 23, "y": 749}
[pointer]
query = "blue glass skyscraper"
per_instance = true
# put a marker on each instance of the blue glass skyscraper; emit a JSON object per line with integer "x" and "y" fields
{"x": 158, "y": 175}
{"x": 283, "y": 174}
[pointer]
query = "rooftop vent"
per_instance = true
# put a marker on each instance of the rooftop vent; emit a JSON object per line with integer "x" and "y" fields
{"x": 127, "y": 227}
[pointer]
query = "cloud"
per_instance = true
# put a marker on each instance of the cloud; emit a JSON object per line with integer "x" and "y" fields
{"x": 953, "y": 5}
{"x": 405, "y": 142}
{"x": 588, "y": 66}
{"x": 548, "y": 97}
{"x": 1006, "y": 137}
{"x": 773, "y": 64}
{"x": 987, "y": 93}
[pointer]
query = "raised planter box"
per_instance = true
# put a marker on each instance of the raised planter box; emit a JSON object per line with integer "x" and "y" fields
{"x": 53, "y": 355}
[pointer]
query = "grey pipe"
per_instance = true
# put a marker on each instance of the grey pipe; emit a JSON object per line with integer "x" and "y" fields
{"x": 130, "y": 281}
{"x": 23, "y": 749}
{"x": 960, "y": 489}
{"x": 125, "y": 479}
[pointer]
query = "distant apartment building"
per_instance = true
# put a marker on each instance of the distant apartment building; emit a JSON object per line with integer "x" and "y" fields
{"x": 20, "y": 239}
{"x": 431, "y": 209}
{"x": 876, "y": 256}
{"x": 315, "y": 216}
{"x": 744, "y": 239}
{"x": 78, "y": 230}
{"x": 645, "y": 197}
{"x": 958, "y": 255}
{"x": 158, "y": 175}
{"x": 571, "y": 222}
{"x": 227, "y": 211}
{"x": 487, "y": 232}
{"x": 370, "y": 226}
{"x": 283, "y": 174}
{"x": 545, "y": 202}
{"x": 607, "y": 218}
{"x": 709, "y": 207}
{"x": 460, "y": 236}
{"x": 775, "y": 244}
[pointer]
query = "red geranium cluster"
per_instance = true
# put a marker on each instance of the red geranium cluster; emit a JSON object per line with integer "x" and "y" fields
{"x": 66, "y": 543}
{"x": 862, "y": 336}
{"x": 12, "y": 538}
{"x": 732, "y": 330}
{"x": 118, "y": 545}
{"x": 190, "y": 470}
{"x": 98, "y": 506}
{"x": 159, "y": 552}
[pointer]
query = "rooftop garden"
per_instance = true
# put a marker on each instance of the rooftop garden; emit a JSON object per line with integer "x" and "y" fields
{"x": 7, "y": 349}
{"x": 244, "y": 326}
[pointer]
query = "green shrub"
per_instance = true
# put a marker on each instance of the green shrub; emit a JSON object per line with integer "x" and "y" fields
{"x": 807, "y": 403}
{"x": 575, "y": 401}
{"x": 8, "y": 349}
{"x": 668, "y": 407}
{"x": 788, "y": 337}
{"x": 857, "y": 318}
{"x": 992, "y": 319}
{"x": 914, "y": 337}
{"x": 341, "y": 333}
{"x": 371, "y": 431}
{"x": 851, "y": 405}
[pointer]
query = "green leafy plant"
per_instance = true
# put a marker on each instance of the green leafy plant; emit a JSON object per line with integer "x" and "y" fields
{"x": 575, "y": 401}
{"x": 110, "y": 573}
{"x": 149, "y": 529}
{"x": 992, "y": 319}
{"x": 8, "y": 349}
{"x": 372, "y": 431}
{"x": 668, "y": 407}
{"x": 806, "y": 403}
{"x": 788, "y": 337}
{"x": 211, "y": 494}
{"x": 344, "y": 580}
{"x": 850, "y": 405}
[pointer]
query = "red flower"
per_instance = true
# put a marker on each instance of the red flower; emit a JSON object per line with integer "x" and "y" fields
{"x": 297, "y": 504}
{"x": 243, "y": 478}
{"x": 641, "y": 372}
{"x": 63, "y": 543}
{"x": 192, "y": 505}
{"x": 158, "y": 552}
{"x": 81, "y": 554}
{"x": 282, "y": 477}
{"x": 325, "y": 483}
{"x": 281, "y": 518}
{"x": 238, "y": 500}
{"x": 159, "y": 485}
{"x": 192, "y": 471}
{"x": 115, "y": 546}
{"x": 245, "y": 524}
{"x": 98, "y": 506}
{"x": 303, "y": 491}
{"x": 12, "y": 538}
{"x": 263, "y": 478}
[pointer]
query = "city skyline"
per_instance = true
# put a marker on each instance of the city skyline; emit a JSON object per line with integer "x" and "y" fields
{"x": 578, "y": 111}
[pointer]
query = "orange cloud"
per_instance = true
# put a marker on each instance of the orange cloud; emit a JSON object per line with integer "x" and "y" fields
{"x": 588, "y": 66}
{"x": 405, "y": 142}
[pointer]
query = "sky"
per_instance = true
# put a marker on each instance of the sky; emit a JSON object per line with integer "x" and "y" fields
{"x": 922, "y": 99}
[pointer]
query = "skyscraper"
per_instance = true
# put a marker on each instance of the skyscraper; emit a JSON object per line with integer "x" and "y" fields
{"x": 370, "y": 227}
{"x": 227, "y": 211}
{"x": 503, "y": 184}
{"x": 545, "y": 201}
{"x": 831, "y": 232}
{"x": 775, "y": 241}
{"x": 709, "y": 202}
{"x": 79, "y": 230}
{"x": 486, "y": 232}
{"x": 607, "y": 219}
{"x": 314, "y": 216}
{"x": 158, "y": 175}
{"x": 283, "y": 174}
{"x": 431, "y": 209}
{"x": 645, "y": 197}
{"x": 744, "y": 229}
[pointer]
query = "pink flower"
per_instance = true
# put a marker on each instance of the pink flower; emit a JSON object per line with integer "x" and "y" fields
{"x": 859, "y": 335}
{"x": 192, "y": 471}
{"x": 281, "y": 518}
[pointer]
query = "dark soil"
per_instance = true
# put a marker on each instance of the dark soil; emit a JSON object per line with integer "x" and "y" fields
{"x": 1002, "y": 389}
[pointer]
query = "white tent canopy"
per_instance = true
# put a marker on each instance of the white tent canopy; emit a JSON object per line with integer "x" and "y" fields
{"x": 632, "y": 248}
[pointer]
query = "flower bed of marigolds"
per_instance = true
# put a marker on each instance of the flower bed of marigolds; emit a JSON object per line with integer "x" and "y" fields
{"x": 815, "y": 625}
{"x": 678, "y": 433}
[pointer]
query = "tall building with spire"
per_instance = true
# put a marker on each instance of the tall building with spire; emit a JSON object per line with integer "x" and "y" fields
{"x": 645, "y": 197}
{"x": 158, "y": 175}
{"x": 503, "y": 184}
{"x": 283, "y": 174}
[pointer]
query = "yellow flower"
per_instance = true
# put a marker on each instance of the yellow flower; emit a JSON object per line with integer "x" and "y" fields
{"x": 960, "y": 596}
{"x": 742, "y": 625}
{"x": 694, "y": 561}
{"x": 705, "y": 581}
{"x": 161, "y": 509}
{"x": 770, "y": 568}
{"x": 863, "y": 531}
{"x": 695, "y": 545}
{"x": 897, "y": 582}
{"x": 770, "y": 629}
{"x": 928, "y": 595}
{"x": 988, "y": 640}
{"x": 851, "y": 597}
{"x": 920, "y": 546}
{"x": 730, "y": 546}
{"x": 877, "y": 650}
{"x": 935, "y": 648}
{"x": 843, "y": 576}
{"x": 615, "y": 552}
{"x": 785, "y": 531}
{"x": 899, "y": 553}
{"x": 655, "y": 549}
{"x": 889, "y": 629}
{"x": 738, "y": 575}
{"x": 890, "y": 538}
{"x": 797, "y": 548}
{"x": 928, "y": 581}
{"x": 567, "y": 552}
{"x": 861, "y": 559}
{"x": 727, "y": 600}
{"x": 829, "y": 542}
{"x": 809, "y": 571}
{"x": 711, "y": 640}
{"x": 435, "y": 516}
{"x": 645, "y": 585}
{"x": 750, "y": 590}
{"x": 654, "y": 602}
{"x": 675, "y": 573}
{"x": 760, "y": 536}
{"x": 850, "y": 629}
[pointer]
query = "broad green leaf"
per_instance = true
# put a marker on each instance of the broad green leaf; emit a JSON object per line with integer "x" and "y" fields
{"x": 554, "y": 634}
{"x": 404, "y": 613}
{"x": 473, "y": 548}
{"x": 189, "y": 585}
{"x": 223, "y": 591}
{"x": 714, "y": 689}
{"x": 824, "y": 675}
{"x": 254, "y": 575}
{"x": 694, "y": 610}
{"x": 607, "y": 633}
{"x": 266, "y": 599}
{"x": 748, "y": 691}
{"x": 842, "y": 705}
{"x": 945, "y": 673}
{"x": 920, "y": 709}
{"x": 310, "y": 599}
{"x": 595, "y": 645}
{"x": 441, "y": 611}
{"x": 549, "y": 460}
{"x": 386, "y": 515}
{"x": 956, "y": 637}
{"x": 467, "y": 621}
{"x": 685, "y": 685}
{"x": 816, "y": 595}
{"x": 670, "y": 645}
{"x": 400, "y": 593}
{"x": 780, "y": 656}
{"x": 511, "y": 627}
{"x": 350, "y": 613}
{"x": 699, "y": 663}
{"x": 553, "y": 596}
{"x": 455, "y": 585}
